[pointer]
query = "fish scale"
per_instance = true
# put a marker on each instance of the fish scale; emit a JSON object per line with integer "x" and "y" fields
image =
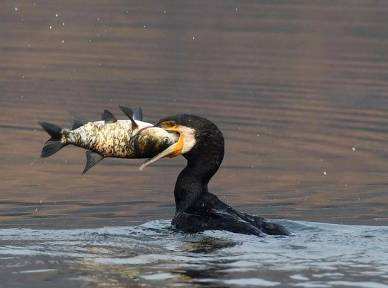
{"x": 109, "y": 139}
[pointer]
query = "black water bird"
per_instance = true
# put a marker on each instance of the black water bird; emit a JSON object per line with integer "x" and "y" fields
{"x": 202, "y": 144}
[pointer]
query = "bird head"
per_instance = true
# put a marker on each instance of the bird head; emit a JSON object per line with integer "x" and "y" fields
{"x": 197, "y": 137}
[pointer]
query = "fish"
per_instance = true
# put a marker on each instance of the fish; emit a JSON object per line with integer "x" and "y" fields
{"x": 109, "y": 137}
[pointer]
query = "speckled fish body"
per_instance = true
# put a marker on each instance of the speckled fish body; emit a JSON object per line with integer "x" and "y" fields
{"x": 110, "y": 138}
{"x": 107, "y": 139}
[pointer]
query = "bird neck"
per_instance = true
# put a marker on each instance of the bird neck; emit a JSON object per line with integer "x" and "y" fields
{"x": 193, "y": 180}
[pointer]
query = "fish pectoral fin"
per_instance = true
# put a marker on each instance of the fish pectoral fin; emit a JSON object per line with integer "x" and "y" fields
{"x": 128, "y": 111}
{"x": 92, "y": 158}
{"x": 138, "y": 114}
{"x": 170, "y": 150}
{"x": 108, "y": 117}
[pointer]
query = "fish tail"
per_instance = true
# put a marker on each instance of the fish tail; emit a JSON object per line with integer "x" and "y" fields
{"x": 55, "y": 143}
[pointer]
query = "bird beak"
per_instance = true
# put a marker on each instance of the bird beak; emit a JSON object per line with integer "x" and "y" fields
{"x": 178, "y": 146}
{"x": 172, "y": 151}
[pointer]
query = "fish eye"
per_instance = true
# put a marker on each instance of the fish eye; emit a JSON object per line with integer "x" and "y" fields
{"x": 166, "y": 140}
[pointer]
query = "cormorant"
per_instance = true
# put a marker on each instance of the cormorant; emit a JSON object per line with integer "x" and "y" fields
{"x": 202, "y": 144}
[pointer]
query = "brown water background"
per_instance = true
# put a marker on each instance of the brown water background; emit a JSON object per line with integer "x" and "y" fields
{"x": 299, "y": 89}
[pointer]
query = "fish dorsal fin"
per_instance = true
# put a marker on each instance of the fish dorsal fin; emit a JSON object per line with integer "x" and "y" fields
{"x": 138, "y": 114}
{"x": 78, "y": 122}
{"x": 92, "y": 158}
{"x": 128, "y": 111}
{"x": 108, "y": 117}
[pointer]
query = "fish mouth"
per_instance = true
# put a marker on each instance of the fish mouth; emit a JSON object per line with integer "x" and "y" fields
{"x": 185, "y": 142}
{"x": 151, "y": 141}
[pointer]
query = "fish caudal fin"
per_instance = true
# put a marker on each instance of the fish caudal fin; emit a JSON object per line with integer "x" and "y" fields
{"x": 51, "y": 147}
{"x": 54, "y": 144}
{"x": 53, "y": 130}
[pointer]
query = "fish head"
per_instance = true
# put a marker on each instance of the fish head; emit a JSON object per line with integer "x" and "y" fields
{"x": 189, "y": 130}
{"x": 152, "y": 140}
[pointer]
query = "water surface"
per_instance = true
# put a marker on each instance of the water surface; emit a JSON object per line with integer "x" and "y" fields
{"x": 152, "y": 255}
{"x": 298, "y": 88}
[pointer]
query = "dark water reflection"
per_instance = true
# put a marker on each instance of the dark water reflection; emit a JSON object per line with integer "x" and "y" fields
{"x": 298, "y": 88}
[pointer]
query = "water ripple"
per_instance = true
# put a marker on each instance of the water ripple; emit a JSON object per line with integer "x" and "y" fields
{"x": 317, "y": 255}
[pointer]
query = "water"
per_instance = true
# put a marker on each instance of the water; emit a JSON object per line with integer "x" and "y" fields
{"x": 152, "y": 255}
{"x": 294, "y": 87}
